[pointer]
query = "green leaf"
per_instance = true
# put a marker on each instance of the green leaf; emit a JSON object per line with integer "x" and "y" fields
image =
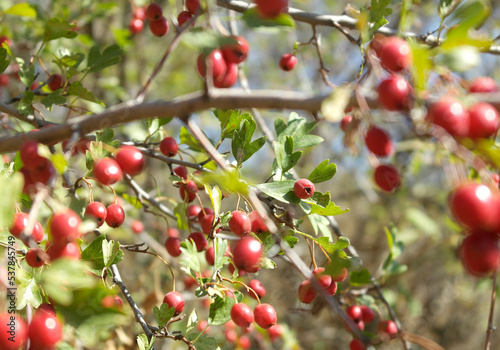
{"x": 291, "y": 240}
{"x": 109, "y": 57}
{"x": 395, "y": 268}
{"x": 227, "y": 181}
{"x": 360, "y": 278}
{"x": 253, "y": 147}
{"x": 58, "y": 28}
{"x": 215, "y": 195}
{"x": 278, "y": 189}
{"x": 189, "y": 140}
{"x": 11, "y": 186}
{"x": 144, "y": 343}
{"x": 163, "y": 314}
{"x": 395, "y": 249}
{"x": 330, "y": 210}
{"x": 53, "y": 98}
{"x": 26, "y": 74}
{"x": 220, "y": 247}
{"x": 340, "y": 260}
{"x": 132, "y": 200}
{"x": 267, "y": 263}
{"x": 190, "y": 259}
{"x": 421, "y": 65}
{"x": 333, "y": 107}
{"x": 286, "y": 159}
{"x": 72, "y": 61}
{"x": 180, "y": 213}
{"x": 203, "y": 341}
{"x": 4, "y": 61}
{"x": 323, "y": 172}
{"x": 472, "y": 14}
{"x": 192, "y": 321}
{"x": 320, "y": 224}
{"x": 102, "y": 253}
{"x": 105, "y": 136}
{"x": 282, "y": 21}
{"x": 298, "y": 128}
{"x": 379, "y": 10}
{"x": 110, "y": 250}
{"x": 446, "y": 7}
{"x": 28, "y": 292}
{"x": 230, "y": 121}
{"x": 23, "y": 10}
{"x": 59, "y": 162}
{"x": 342, "y": 243}
{"x": 77, "y": 89}
{"x": 220, "y": 311}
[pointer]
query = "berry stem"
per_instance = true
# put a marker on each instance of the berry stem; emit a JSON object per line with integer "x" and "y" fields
{"x": 249, "y": 289}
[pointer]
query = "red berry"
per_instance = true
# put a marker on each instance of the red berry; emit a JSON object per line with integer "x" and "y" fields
{"x": 265, "y": 315}
{"x": 229, "y": 78}
{"x": 181, "y": 171}
{"x": 236, "y": 52}
{"x": 140, "y": 13}
{"x": 242, "y": 315}
{"x": 20, "y": 223}
{"x": 192, "y": 211}
{"x": 46, "y": 307}
{"x": 36, "y": 257}
{"x": 58, "y": 251}
{"x": 130, "y": 160}
{"x": 332, "y": 288}
{"x": 368, "y": 314}
{"x": 306, "y": 292}
{"x": 395, "y": 54}
{"x": 345, "y": 122}
{"x": 188, "y": 190}
{"x": 483, "y": 85}
{"x": 96, "y": 211}
{"x": 210, "y": 255}
{"x": 205, "y": 211}
{"x": 394, "y": 93}
{"x": 451, "y": 115}
{"x": 172, "y": 232}
{"x": 136, "y": 25}
{"x": 45, "y": 331}
{"x": 216, "y": 61}
{"x": 474, "y": 205}
{"x": 65, "y": 226}
{"x": 107, "y": 171}
{"x": 4, "y": 80}
{"x": 154, "y": 11}
{"x": 303, "y": 188}
{"x": 173, "y": 246}
{"x": 199, "y": 240}
{"x": 377, "y": 43}
{"x": 115, "y": 215}
{"x": 112, "y": 302}
{"x": 174, "y": 299}
{"x": 244, "y": 342}
{"x": 159, "y": 27}
{"x": 379, "y": 142}
{"x": 206, "y": 223}
{"x": 258, "y": 288}
{"x": 137, "y": 226}
{"x": 271, "y": 8}
{"x": 168, "y": 146}
{"x": 275, "y": 331}
{"x": 239, "y": 223}
{"x": 55, "y": 82}
{"x": 184, "y": 17}
{"x": 288, "y": 62}
{"x": 387, "y": 177}
{"x": 5, "y": 39}
{"x": 387, "y": 329}
{"x": 356, "y": 344}
{"x": 480, "y": 253}
{"x": 258, "y": 224}
{"x": 29, "y": 155}
{"x": 342, "y": 275}
{"x": 192, "y": 5}
{"x": 43, "y": 175}
{"x": 247, "y": 253}
{"x": 12, "y": 323}
{"x": 360, "y": 324}
{"x": 354, "y": 312}
{"x": 323, "y": 280}
{"x": 483, "y": 120}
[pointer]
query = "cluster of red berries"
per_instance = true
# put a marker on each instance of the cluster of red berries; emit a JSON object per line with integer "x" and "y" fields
{"x": 263, "y": 314}
{"x": 36, "y": 168}
{"x": 223, "y": 63}
{"x": 43, "y": 332}
{"x": 308, "y": 291}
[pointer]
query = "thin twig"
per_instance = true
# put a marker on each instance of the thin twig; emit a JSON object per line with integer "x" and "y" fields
{"x": 491, "y": 327}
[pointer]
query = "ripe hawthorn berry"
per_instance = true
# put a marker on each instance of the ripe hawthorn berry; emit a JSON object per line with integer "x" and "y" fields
{"x": 332, "y": 288}
{"x": 217, "y": 63}
{"x": 323, "y": 280}
{"x": 271, "y": 8}
{"x": 345, "y": 122}
{"x": 288, "y": 62}
{"x": 107, "y": 171}
{"x": 257, "y": 222}
{"x": 265, "y": 315}
{"x": 96, "y": 211}
{"x": 29, "y": 155}
{"x": 473, "y": 205}
{"x": 46, "y": 307}
{"x": 184, "y": 17}
{"x": 376, "y": 44}
{"x": 115, "y": 215}
{"x": 395, "y": 54}
{"x": 136, "y": 25}
{"x": 210, "y": 255}
{"x": 387, "y": 177}
{"x": 154, "y": 11}
{"x": 236, "y": 52}
{"x": 159, "y": 27}
{"x": 480, "y": 253}
{"x": 192, "y": 211}
{"x": 275, "y": 332}
{"x": 451, "y": 115}
{"x": 354, "y": 312}
{"x": 130, "y": 160}
{"x": 206, "y": 223}
{"x": 65, "y": 250}
{"x": 20, "y": 223}
{"x": 229, "y": 79}
{"x": 4, "y": 80}
{"x": 258, "y": 288}
{"x": 45, "y": 330}
{"x": 239, "y": 223}
{"x": 175, "y": 300}
{"x": 137, "y": 226}
{"x": 387, "y": 329}
{"x": 244, "y": 342}
{"x": 192, "y": 5}
{"x": 188, "y": 190}
{"x": 306, "y": 292}
{"x": 303, "y": 188}
{"x": 379, "y": 142}
{"x": 139, "y": 13}
{"x": 368, "y": 315}
{"x": 168, "y": 146}
{"x": 55, "y": 82}
{"x": 199, "y": 240}
{"x": 341, "y": 276}
{"x": 247, "y": 253}
{"x": 483, "y": 85}
{"x": 173, "y": 246}
{"x": 394, "y": 93}
{"x": 112, "y": 302}
{"x": 64, "y": 226}
{"x": 242, "y": 315}
{"x": 181, "y": 171}
{"x": 14, "y": 323}
{"x": 36, "y": 257}
{"x": 483, "y": 120}
{"x": 356, "y": 344}
{"x": 205, "y": 211}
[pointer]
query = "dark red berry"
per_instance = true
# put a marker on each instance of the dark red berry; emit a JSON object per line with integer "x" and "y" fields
{"x": 173, "y": 246}
{"x": 275, "y": 332}
{"x": 210, "y": 255}
{"x": 394, "y": 93}
{"x": 175, "y": 300}
{"x": 12, "y": 323}
{"x": 184, "y": 17}
{"x": 258, "y": 224}
{"x": 55, "y": 82}
{"x": 239, "y": 223}
{"x": 36, "y": 257}
{"x": 354, "y": 312}
{"x": 107, "y": 171}
{"x": 323, "y": 280}
{"x": 199, "y": 240}
{"x": 206, "y": 223}
{"x": 192, "y": 211}
{"x": 265, "y": 315}
{"x": 45, "y": 331}
{"x": 306, "y": 292}
{"x": 387, "y": 177}
{"x": 159, "y": 27}
{"x": 236, "y": 52}
{"x": 154, "y": 11}
{"x": 29, "y": 155}
{"x": 115, "y": 215}
{"x": 136, "y": 25}
{"x": 483, "y": 120}
{"x": 192, "y": 5}
{"x": 20, "y": 224}
{"x": 356, "y": 344}
{"x": 229, "y": 78}
{"x": 271, "y": 8}
{"x": 242, "y": 315}
{"x": 130, "y": 160}
{"x": 450, "y": 114}
{"x": 205, "y": 211}
{"x": 345, "y": 122}
{"x": 96, "y": 211}
{"x": 64, "y": 250}
{"x": 140, "y": 13}
{"x": 46, "y": 307}
{"x": 395, "y": 54}
{"x": 332, "y": 288}
{"x": 188, "y": 190}
{"x": 342, "y": 275}
{"x": 288, "y": 62}
{"x": 379, "y": 142}
{"x": 368, "y": 315}
{"x": 168, "y": 146}
{"x": 112, "y": 302}
{"x": 303, "y": 188}
{"x": 181, "y": 171}
{"x": 214, "y": 60}
{"x": 480, "y": 253}
{"x": 65, "y": 226}
{"x": 258, "y": 288}
{"x": 247, "y": 253}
